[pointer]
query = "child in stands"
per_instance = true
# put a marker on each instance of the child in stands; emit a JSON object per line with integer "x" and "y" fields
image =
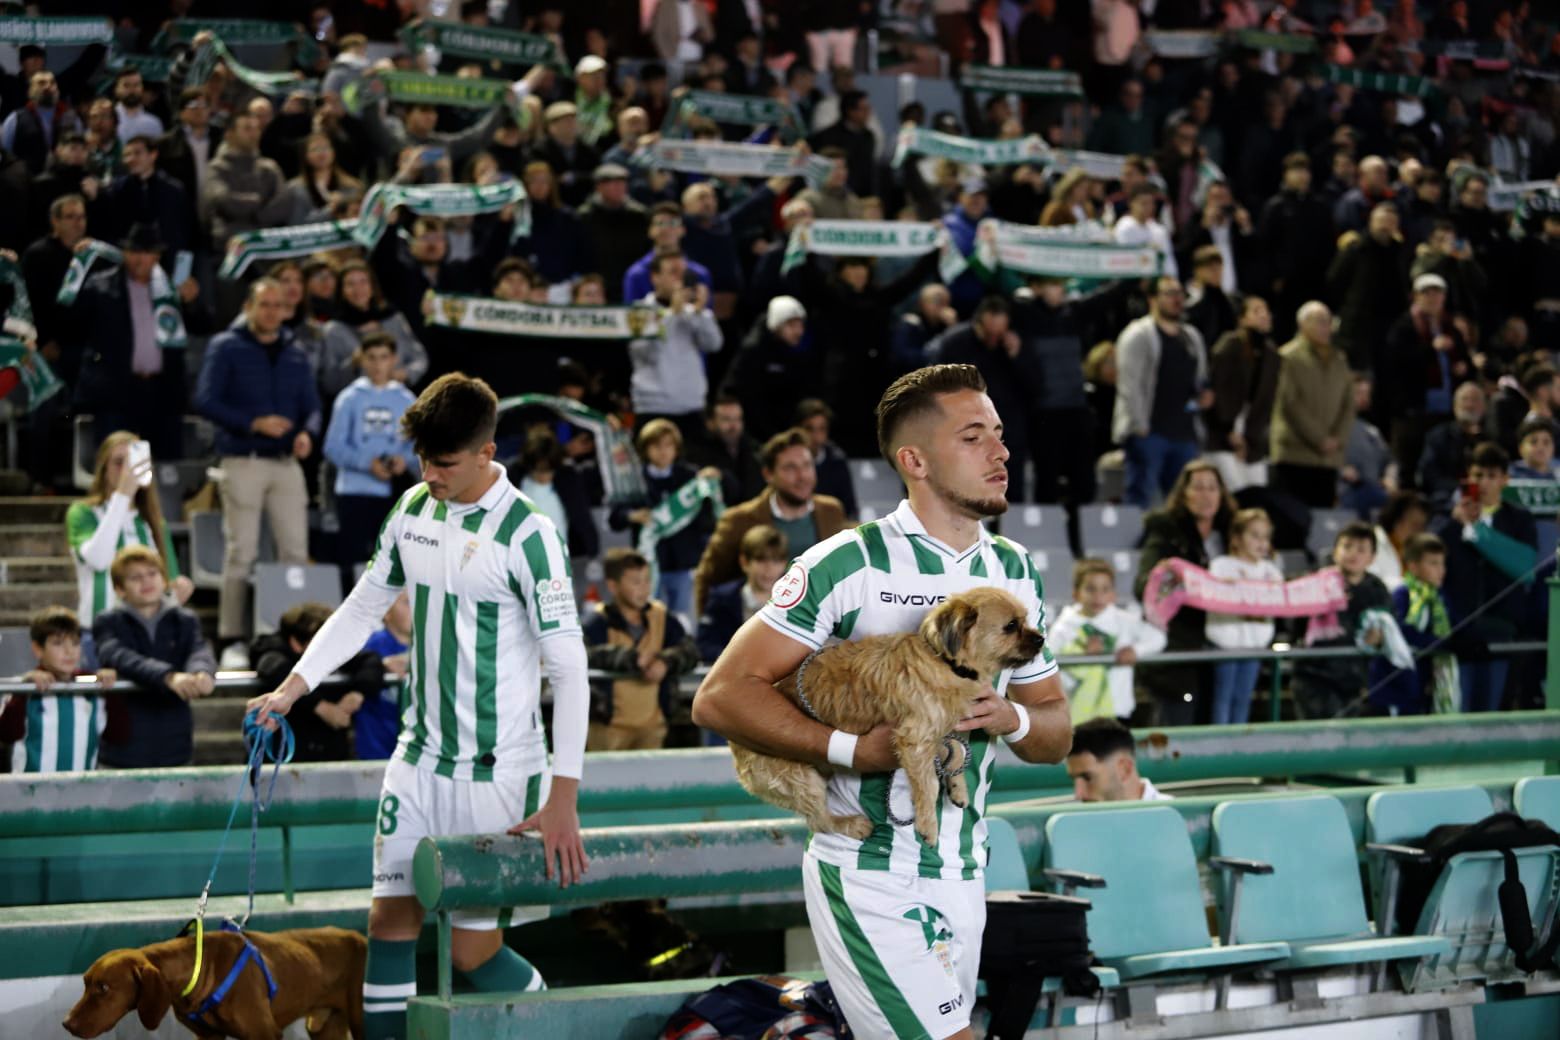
{"x": 1433, "y": 685}
{"x": 56, "y": 733}
{"x": 1324, "y": 687}
{"x": 159, "y": 647}
{"x": 763, "y": 557}
{"x": 1250, "y": 559}
{"x": 323, "y": 728}
{"x": 1536, "y": 446}
{"x": 377, "y": 724}
{"x": 1093, "y": 624}
{"x": 638, "y": 636}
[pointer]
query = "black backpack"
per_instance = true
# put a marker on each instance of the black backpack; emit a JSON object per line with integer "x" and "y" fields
{"x": 1031, "y": 937}
{"x": 1501, "y": 832}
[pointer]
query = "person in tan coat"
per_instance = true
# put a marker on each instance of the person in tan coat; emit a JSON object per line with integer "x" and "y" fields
{"x": 1313, "y": 411}
{"x": 788, "y": 503}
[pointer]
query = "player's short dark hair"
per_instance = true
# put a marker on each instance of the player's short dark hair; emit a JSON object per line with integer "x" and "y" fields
{"x": 1357, "y": 531}
{"x": 53, "y": 621}
{"x": 301, "y": 621}
{"x": 914, "y": 394}
{"x": 1102, "y": 738}
{"x": 620, "y": 560}
{"x": 455, "y": 413}
{"x": 795, "y": 437}
{"x": 1489, "y": 455}
{"x": 1422, "y": 545}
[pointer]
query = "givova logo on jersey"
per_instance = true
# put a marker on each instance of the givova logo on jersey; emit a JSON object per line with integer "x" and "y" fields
{"x": 554, "y": 599}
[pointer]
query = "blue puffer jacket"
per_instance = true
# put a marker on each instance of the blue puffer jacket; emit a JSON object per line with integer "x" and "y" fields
{"x": 240, "y": 382}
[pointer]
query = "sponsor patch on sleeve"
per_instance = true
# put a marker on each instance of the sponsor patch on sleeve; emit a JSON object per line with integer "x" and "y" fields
{"x": 554, "y": 600}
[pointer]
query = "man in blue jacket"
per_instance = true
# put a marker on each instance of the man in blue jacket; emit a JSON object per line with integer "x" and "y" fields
{"x": 257, "y": 387}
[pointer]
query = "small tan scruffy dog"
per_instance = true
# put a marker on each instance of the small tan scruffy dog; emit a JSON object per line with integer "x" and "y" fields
{"x": 920, "y": 682}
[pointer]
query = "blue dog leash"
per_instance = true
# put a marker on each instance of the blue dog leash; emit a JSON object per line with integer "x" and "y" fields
{"x": 278, "y": 748}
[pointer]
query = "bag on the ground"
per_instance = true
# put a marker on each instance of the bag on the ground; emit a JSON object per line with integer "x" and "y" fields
{"x": 1031, "y": 937}
{"x": 1501, "y": 832}
{"x": 772, "y": 1007}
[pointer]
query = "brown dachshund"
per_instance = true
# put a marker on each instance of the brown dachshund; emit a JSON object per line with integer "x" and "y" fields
{"x": 318, "y": 974}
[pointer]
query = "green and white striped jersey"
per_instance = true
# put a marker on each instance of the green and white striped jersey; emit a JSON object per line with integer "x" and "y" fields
{"x": 882, "y": 578}
{"x": 96, "y": 533}
{"x": 62, "y": 735}
{"x": 487, "y": 582}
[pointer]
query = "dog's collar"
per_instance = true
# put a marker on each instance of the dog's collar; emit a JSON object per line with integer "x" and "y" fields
{"x": 957, "y": 668}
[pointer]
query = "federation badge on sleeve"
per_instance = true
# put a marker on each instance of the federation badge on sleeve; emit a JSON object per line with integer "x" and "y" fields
{"x": 790, "y": 589}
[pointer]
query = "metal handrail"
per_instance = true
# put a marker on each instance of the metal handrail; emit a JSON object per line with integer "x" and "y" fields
{"x": 241, "y": 683}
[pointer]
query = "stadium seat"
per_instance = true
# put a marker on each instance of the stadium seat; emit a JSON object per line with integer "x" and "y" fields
{"x": 177, "y": 481}
{"x": 207, "y": 547}
{"x": 1325, "y": 525}
{"x": 1055, "y": 567}
{"x": 1140, "y": 873}
{"x": 1107, "y": 526}
{"x": 877, "y": 483}
{"x": 1293, "y": 562}
{"x": 1005, "y": 870}
{"x": 16, "y": 656}
{"x": 1037, "y": 527}
{"x": 281, "y": 585}
{"x": 1125, "y": 563}
{"x": 1462, "y": 905}
{"x": 1538, "y": 798}
{"x": 1312, "y": 897}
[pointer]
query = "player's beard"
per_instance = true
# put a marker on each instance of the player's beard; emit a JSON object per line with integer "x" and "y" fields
{"x": 974, "y": 508}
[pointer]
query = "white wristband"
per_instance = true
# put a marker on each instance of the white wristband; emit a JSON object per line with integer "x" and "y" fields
{"x": 1023, "y": 725}
{"x": 842, "y": 749}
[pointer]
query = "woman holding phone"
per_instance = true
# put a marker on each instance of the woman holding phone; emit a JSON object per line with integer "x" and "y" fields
{"x": 120, "y": 509}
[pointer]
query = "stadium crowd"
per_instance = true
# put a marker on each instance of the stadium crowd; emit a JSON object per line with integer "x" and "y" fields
{"x": 1356, "y": 308}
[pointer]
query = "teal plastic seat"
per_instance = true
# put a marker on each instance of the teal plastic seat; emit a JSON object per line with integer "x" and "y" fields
{"x": 1312, "y": 899}
{"x": 1538, "y": 798}
{"x": 1147, "y": 919}
{"x": 1462, "y": 905}
{"x": 1005, "y": 870}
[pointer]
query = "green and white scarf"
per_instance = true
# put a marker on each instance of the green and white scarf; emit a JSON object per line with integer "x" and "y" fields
{"x": 1540, "y": 497}
{"x": 675, "y": 512}
{"x": 233, "y": 30}
{"x": 514, "y": 318}
{"x": 1011, "y": 152}
{"x": 1288, "y": 43}
{"x": 1037, "y": 82}
{"x": 1102, "y": 165}
{"x": 1504, "y": 197}
{"x": 418, "y": 88}
{"x": 622, "y": 477}
{"x": 725, "y": 158}
{"x": 1183, "y": 43}
{"x": 738, "y": 109}
{"x": 472, "y": 41}
{"x": 863, "y": 238}
{"x": 37, "y": 376}
{"x": 59, "y": 32}
{"x": 1083, "y": 251}
{"x": 152, "y": 67}
{"x": 438, "y": 200}
{"x": 1386, "y": 82}
{"x": 283, "y": 243}
{"x": 278, "y": 84}
{"x": 20, "y": 314}
{"x": 166, "y": 315}
{"x": 1427, "y": 613}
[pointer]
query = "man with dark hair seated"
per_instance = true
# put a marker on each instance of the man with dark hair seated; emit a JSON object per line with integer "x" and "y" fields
{"x": 1103, "y": 765}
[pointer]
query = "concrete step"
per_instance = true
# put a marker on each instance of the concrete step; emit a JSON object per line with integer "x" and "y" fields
{"x": 37, "y": 595}
{"x": 34, "y": 509}
{"x": 33, "y": 540}
{"x": 26, "y": 570}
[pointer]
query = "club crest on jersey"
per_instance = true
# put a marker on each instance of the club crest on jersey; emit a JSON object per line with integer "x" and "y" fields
{"x": 471, "y": 550}
{"x": 791, "y": 587}
{"x": 936, "y": 932}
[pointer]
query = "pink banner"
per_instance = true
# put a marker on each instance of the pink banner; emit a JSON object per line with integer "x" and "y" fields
{"x": 1175, "y": 583}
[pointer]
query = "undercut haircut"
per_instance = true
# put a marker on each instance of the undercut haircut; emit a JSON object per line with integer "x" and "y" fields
{"x": 455, "y": 413}
{"x": 914, "y": 395}
{"x": 60, "y": 621}
{"x": 620, "y": 560}
{"x": 1102, "y": 738}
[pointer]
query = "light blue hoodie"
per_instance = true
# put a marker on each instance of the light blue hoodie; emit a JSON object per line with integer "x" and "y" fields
{"x": 366, "y": 425}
